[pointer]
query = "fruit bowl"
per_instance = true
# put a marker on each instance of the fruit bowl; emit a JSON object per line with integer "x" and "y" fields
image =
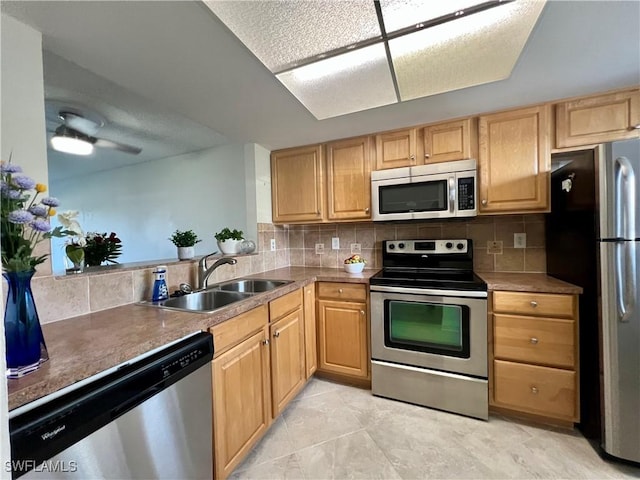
{"x": 353, "y": 267}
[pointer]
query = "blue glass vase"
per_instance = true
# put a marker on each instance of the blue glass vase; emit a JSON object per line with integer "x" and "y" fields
{"x": 25, "y": 347}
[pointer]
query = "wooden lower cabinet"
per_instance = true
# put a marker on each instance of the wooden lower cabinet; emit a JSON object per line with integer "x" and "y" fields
{"x": 343, "y": 339}
{"x": 241, "y": 401}
{"x": 287, "y": 359}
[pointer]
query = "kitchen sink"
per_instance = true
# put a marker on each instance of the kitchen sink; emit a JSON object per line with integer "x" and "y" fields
{"x": 251, "y": 285}
{"x": 204, "y": 301}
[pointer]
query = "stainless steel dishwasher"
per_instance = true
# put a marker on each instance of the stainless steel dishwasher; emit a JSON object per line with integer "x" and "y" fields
{"x": 145, "y": 419}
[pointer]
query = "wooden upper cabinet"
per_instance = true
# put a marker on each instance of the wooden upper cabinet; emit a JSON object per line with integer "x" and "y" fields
{"x": 297, "y": 184}
{"x": 449, "y": 141}
{"x": 349, "y": 179}
{"x": 397, "y": 149}
{"x": 514, "y": 161}
{"x": 598, "y": 119}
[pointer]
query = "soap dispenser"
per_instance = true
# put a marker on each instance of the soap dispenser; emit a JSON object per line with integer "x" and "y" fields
{"x": 160, "y": 290}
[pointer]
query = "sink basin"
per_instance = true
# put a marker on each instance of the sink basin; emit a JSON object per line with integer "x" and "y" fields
{"x": 251, "y": 285}
{"x": 204, "y": 301}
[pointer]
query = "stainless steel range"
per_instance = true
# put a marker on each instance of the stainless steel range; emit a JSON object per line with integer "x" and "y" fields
{"x": 429, "y": 326}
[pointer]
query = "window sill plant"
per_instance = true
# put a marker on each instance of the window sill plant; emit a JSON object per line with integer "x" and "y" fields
{"x": 185, "y": 241}
{"x": 229, "y": 240}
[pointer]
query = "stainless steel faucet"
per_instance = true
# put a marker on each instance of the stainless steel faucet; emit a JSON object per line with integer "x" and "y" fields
{"x": 204, "y": 273}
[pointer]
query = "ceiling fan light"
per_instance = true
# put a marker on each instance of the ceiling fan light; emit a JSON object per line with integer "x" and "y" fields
{"x": 74, "y": 146}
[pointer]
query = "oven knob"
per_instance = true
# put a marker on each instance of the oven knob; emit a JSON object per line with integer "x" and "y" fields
{"x": 401, "y": 245}
{"x": 392, "y": 246}
{"x": 460, "y": 246}
{"x": 448, "y": 245}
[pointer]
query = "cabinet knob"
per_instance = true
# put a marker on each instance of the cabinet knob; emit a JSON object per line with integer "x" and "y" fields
{"x": 317, "y": 212}
{"x": 276, "y": 334}
{"x": 366, "y": 210}
{"x": 635, "y": 127}
{"x": 484, "y": 201}
{"x": 534, "y": 304}
{"x": 426, "y": 155}
{"x": 361, "y": 312}
{"x": 534, "y": 390}
{"x": 339, "y": 290}
{"x": 265, "y": 341}
{"x": 533, "y": 341}
{"x": 412, "y": 158}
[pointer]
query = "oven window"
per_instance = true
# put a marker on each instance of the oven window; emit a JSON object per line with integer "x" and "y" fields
{"x": 428, "y": 196}
{"x": 427, "y": 327}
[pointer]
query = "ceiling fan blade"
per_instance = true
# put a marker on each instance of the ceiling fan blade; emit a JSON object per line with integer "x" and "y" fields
{"x": 79, "y": 123}
{"x": 101, "y": 142}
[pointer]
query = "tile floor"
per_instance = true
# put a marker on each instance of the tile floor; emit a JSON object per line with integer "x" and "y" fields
{"x": 334, "y": 431}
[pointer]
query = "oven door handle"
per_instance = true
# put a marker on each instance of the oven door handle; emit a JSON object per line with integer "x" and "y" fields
{"x": 430, "y": 291}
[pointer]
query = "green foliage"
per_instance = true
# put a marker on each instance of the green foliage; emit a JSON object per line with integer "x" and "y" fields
{"x": 226, "y": 234}
{"x": 186, "y": 238}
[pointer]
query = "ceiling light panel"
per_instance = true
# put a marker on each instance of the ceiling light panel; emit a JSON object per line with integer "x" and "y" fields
{"x": 281, "y": 33}
{"x": 351, "y": 82}
{"x": 399, "y": 14}
{"x": 472, "y": 50}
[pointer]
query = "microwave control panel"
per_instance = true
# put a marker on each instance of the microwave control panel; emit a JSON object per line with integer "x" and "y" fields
{"x": 466, "y": 193}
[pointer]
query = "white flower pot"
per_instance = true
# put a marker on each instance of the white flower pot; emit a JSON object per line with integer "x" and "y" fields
{"x": 186, "y": 253}
{"x": 229, "y": 247}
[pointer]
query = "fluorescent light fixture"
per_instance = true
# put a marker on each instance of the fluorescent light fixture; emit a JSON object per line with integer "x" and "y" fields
{"x": 69, "y": 141}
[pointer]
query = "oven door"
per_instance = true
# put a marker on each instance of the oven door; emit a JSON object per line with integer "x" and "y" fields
{"x": 435, "y": 329}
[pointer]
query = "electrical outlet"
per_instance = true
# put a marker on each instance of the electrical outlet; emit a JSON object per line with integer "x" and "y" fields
{"x": 519, "y": 240}
{"x": 319, "y": 248}
{"x": 273, "y": 244}
{"x": 335, "y": 243}
{"x": 356, "y": 248}
{"x": 494, "y": 247}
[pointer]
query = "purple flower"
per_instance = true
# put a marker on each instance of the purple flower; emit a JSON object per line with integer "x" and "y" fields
{"x": 10, "y": 168}
{"x": 20, "y": 217}
{"x": 23, "y": 182}
{"x": 39, "y": 210}
{"x": 12, "y": 194}
{"x": 50, "y": 201}
{"x": 40, "y": 225}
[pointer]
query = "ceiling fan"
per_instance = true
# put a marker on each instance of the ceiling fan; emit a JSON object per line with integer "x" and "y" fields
{"x": 76, "y": 136}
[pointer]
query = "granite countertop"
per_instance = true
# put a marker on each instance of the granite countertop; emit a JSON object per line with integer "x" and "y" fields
{"x": 83, "y": 346}
{"x": 528, "y": 282}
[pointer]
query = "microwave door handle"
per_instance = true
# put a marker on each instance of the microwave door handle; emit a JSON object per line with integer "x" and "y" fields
{"x": 452, "y": 194}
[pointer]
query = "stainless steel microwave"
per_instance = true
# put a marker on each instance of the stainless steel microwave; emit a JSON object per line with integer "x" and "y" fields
{"x": 438, "y": 190}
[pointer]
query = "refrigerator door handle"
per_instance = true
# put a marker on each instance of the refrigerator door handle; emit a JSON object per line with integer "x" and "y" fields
{"x": 625, "y": 192}
{"x": 625, "y": 279}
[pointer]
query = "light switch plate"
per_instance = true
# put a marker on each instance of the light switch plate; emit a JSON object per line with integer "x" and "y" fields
{"x": 519, "y": 240}
{"x": 335, "y": 243}
{"x": 356, "y": 248}
{"x": 494, "y": 247}
{"x": 319, "y": 248}
{"x": 273, "y": 244}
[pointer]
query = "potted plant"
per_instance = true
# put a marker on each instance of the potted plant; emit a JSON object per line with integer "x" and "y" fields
{"x": 229, "y": 240}
{"x": 185, "y": 241}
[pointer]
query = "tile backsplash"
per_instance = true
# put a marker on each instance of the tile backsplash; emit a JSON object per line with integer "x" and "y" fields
{"x": 482, "y": 230}
{"x": 68, "y": 296}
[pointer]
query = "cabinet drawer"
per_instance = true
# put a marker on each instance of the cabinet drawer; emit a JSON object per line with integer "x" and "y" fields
{"x": 285, "y": 304}
{"x": 539, "y": 390}
{"x": 344, "y": 291}
{"x": 231, "y": 332}
{"x": 535, "y": 340}
{"x": 536, "y": 304}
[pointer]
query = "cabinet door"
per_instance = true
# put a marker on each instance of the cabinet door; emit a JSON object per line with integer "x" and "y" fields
{"x": 603, "y": 118}
{"x": 449, "y": 141}
{"x": 297, "y": 184}
{"x": 342, "y": 338}
{"x": 396, "y": 149}
{"x": 311, "y": 351}
{"x": 349, "y": 179}
{"x": 514, "y": 161}
{"x": 241, "y": 401}
{"x": 287, "y": 359}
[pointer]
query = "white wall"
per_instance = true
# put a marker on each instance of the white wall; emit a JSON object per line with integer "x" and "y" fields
{"x": 145, "y": 203}
{"x": 263, "y": 183}
{"x": 23, "y": 133}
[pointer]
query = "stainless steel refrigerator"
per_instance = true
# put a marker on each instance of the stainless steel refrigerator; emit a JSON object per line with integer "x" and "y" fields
{"x": 592, "y": 240}
{"x": 619, "y": 195}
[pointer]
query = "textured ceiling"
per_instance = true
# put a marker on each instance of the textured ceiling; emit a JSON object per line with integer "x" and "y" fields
{"x": 181, "y": 59}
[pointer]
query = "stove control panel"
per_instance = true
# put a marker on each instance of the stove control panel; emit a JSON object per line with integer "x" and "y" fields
{"x": 438, "y": 247}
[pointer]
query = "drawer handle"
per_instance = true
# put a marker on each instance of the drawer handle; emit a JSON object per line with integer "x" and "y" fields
{"x": 533, "y": 341}
{"x": 339, "y": 290}
{"x": 534, "y": 390}
{"x": 534, "y": 304}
